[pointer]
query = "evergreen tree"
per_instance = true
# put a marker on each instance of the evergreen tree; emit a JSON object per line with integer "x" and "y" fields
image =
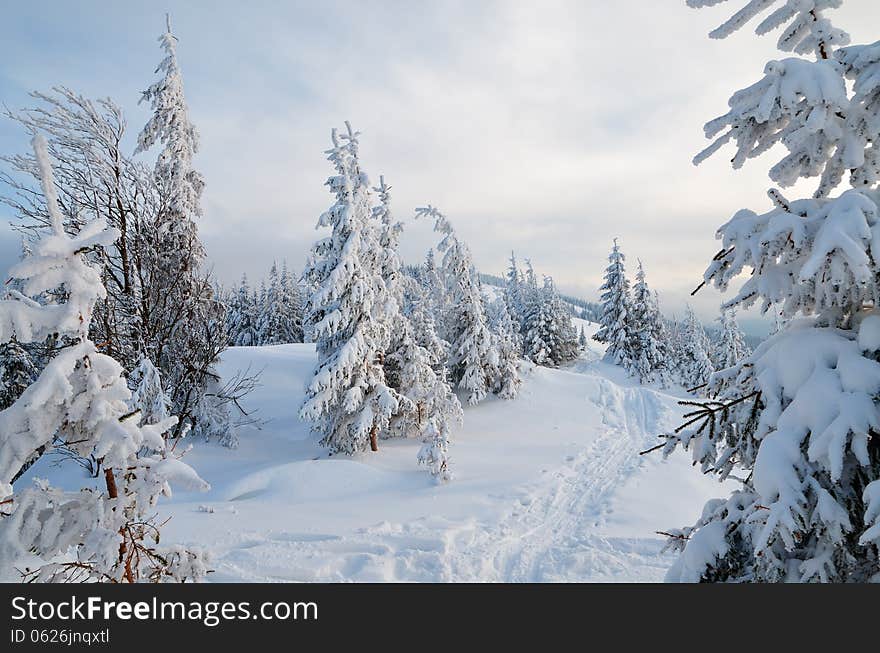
{"x": 693, "y": 364}
{"x": 17, "y": 372}
{"x": 615, "y": 310}
{"x": 291, "y": 303}
{"x": 731, "y": 347}
{"x": 348, "y": 400}
{"x": 148, "y": 396}
{"x": 648, "y": 347}
{"x": 506, "y": 378}
{"x": 242, "y": 317}
{"x": 272, "y": 314}
{"x": 422, "y": 380}
{"x": 186, "y": 331}
{"x": 513, "y": 292}
{"x": 798, "y": 417}
{"x": 550, "y": 337}
{"x": 474, "y": 348}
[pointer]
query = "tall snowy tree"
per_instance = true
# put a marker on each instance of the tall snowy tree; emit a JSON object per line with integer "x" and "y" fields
{"x": 422, "y": 380}
{"x": 692, "y": 356}
{"x": 731, "y": 346}
{"x": 271, "y": 317}
{"x": 81, "y": 400}
{"x": 291, "y": 303}
{"x": 798, "y": 417}
{"x": 513, "y": 291}
{"x": 348, "y": 400}
{"x": 615, "y": 311}
{"x": 506, "y": 378}
{"x": 549, "y": 337}
{"x": 648, "y": 345}
{"x": 474, "y": 348}
{"x": 582, "y": 339}
{"x": 148, "y": 395}
{"x": 185, "y": 332}
{"x": 17, "y": 372}
{"x": 242, "y": 317}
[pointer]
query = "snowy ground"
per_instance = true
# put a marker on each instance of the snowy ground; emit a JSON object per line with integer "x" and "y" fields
{"x": 549, "y": 487}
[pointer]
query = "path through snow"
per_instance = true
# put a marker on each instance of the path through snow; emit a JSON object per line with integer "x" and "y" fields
{"x": 537, "y": 496}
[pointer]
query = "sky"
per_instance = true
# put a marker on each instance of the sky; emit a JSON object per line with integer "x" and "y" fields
{"x": 544, "y": 128}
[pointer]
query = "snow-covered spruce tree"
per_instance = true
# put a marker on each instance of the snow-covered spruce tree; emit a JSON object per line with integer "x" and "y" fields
{"x": 648, "y": 347}
{"x": 399, "y": 344}
{"x": 474, "y": 356}
{"x": 242, "y": 316}
{"x": 271, "y": 317}
{"x": 513, "y": 293}
{"x": 433, "y": 409}
{"x": 506, "y": 378}
{"x": 731, "y": 346}
{"x": 582, "y": 339}
{"x": 799, "y": 416}
{"x": 185, "y": 332}
{"x": 615, "y": 310}
{"x": 550, "y": 338}
{"x": 692, "y": 357}
{"x": 436, "y": 293}
{"x": 17, "y": 372}
{"x": 348, "y": 400}
{"x": 537, "y": 326}
{"x": 291, "y": 303}
{"x": 148, "y": 395}
{"x": 80, "y": 400}
{"x": 434, "y": 453}
{"x": 566, "y": 347}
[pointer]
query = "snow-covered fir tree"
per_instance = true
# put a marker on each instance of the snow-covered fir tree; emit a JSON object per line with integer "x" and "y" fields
{"x": 434, "y": 453}
{"x": 242, "y": 316}
{"x": 148, "y": 395}
{"x": 474, "y": 355}
{"x": 80, "y": 400}
{"x": 422, "y": 379}
{"x": 549, "y": 338}
{"x": 615, "y": 310}
{"x": 582, "y": 339}
{"x": 291, "y": 307}
{"x": 693, "y": 365}
{"x": 798, "y": 417}
{"x": 186, "y": 332}
{"x": 649, "y": 352}
{"x": 17, "y": 372}
{"x": 513, "y": 291}
{"x": 348, "y": 400}
{"x": 270, "y": 326}
{"x": 731, "y": 347}
{"x": 506, "y": 378}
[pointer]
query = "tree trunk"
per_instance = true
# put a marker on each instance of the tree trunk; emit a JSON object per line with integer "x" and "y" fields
{"x": 374, "y": 438}
{"x": 113, "y": 493}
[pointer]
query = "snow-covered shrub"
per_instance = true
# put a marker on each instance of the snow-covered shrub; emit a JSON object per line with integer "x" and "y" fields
{"x": 81, "y": 401}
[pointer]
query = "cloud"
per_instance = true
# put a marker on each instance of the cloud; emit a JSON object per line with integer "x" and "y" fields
{"x": 544, "y": 127}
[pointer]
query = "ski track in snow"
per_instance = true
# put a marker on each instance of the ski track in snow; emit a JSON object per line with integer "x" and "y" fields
{"x": 553, "y": 537}
{"x": 552, "y": 533}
